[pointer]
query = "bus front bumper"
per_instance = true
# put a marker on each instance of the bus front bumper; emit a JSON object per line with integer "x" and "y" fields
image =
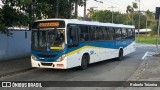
{"x": 54, "y": 65}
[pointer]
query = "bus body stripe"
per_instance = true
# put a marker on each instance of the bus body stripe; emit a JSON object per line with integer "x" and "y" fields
{"x": 80, "y": 49}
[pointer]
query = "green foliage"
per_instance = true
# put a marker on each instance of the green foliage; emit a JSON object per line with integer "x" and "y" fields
{"x": 146, "y": 39}
{"x": 153, "y": 26}
{"x": 119, "y": 18}
{"x": 102, "y": 16}
{"x": 135, "y": 6}
{"x": 3, "y": 30}
{"x": 129, "y": 9}
{"x": 24, "y": 12}
{"x": 38, "y": 9}
{"x": 12, "y": 17}
{"x": 106, "y": 16}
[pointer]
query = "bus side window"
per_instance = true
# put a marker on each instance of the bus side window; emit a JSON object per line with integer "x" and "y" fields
{"x": 92, "y": 33}
{"x": 96, "y": 33}
{"x": 124, "y": 33}
{"x": 100, "y": 30}
{"x": 82, "y": 35}
{"x": 73, "y": 37}
{"x": 130, "y": 34}
{"x": 118, "y": 33}
{"x": 104, "y": 33}
{"x": 110, "y": 35}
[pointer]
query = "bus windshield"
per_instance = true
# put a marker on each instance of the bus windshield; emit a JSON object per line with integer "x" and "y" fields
{"x": 48, "y": 40}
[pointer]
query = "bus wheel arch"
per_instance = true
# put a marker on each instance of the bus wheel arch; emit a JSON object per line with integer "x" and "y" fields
{"x": 120, "y": 54}
{"x": 85, "y": 61}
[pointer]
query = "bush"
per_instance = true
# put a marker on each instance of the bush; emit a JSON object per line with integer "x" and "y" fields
{"x": 153, "y": 26}
{"x": 3, "y": 29}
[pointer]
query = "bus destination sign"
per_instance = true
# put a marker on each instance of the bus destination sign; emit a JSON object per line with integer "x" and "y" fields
{"x": 49, "y": 24}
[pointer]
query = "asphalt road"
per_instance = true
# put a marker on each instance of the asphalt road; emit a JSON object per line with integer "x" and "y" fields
{"x": 110, "y": 70}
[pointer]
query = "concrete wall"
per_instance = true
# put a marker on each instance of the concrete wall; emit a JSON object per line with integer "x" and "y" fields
{"x": 17, "y": 45}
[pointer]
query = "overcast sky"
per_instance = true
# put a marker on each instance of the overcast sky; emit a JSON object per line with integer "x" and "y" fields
{"x": 120, "y": 5}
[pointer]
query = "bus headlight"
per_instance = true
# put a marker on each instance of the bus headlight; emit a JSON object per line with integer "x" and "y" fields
{"x": 33, "y": 57}
{"x": 61, "y": 58}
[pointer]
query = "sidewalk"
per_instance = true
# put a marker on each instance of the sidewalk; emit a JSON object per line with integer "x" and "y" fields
{"x": 149, "y": 70}
{"x": 12, "y": 66}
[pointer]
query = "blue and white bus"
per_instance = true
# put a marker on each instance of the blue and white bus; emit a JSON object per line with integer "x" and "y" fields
{"x": 68, "y": 43}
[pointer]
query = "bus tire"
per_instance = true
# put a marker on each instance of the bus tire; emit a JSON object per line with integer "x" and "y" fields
{"x": 84, "y": 62}
{"x": 120, "y": 55}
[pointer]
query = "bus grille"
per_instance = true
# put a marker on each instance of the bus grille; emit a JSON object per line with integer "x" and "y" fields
{"x": 46, "y": 56}
{"x": 46, "y": 64}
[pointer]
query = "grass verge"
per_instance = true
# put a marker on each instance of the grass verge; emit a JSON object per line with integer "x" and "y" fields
{"x": 146, "y": 39}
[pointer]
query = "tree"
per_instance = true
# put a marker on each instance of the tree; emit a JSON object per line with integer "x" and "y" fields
{"x": 134, "y": 5}
{"x": 130, "y": 11}
{"x": 149, "y": 17}
{"x": 105, "y": 16}
{"x": 11, "y": 17}
{"x": 74, "y": 6}
{"x": 153, "y": 26}
{"x": 38, "y": 9}
{"x": 90, "y": 12}
{"x": 102, "y": 16}
{"x": 8, "y": 18}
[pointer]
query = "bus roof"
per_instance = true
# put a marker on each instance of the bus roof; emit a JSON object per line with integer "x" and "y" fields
{"x": 76, "y": 21}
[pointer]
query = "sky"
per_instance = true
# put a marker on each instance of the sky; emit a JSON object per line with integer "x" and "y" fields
{"x": 120, "y": 5}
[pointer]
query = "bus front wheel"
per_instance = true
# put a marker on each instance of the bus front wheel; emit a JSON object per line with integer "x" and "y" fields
{"x": 84, "y": 62}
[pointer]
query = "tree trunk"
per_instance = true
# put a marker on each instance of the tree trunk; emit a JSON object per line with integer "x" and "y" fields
{"x": 76, "y": 9}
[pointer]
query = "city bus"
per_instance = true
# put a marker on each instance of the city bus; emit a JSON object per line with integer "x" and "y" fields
{"x": 68, "y": 43}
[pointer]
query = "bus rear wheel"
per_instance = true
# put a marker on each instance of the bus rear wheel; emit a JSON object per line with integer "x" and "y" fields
{"x": 120, "y": 56}
{"x": 84, "y": 62}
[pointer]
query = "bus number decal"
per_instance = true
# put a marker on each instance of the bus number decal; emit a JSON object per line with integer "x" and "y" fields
{"x": 91, "y": 52}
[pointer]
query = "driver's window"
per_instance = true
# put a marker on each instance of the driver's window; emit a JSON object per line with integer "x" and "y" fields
{"x": 70, "y": 36}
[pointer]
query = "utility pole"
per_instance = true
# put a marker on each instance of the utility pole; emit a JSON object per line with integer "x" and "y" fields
{"x": 157, "y": 39}
{"x": 57, "y": 8}
{"x": 112, "y": 12}
{"x": 139, "y": 19}
{"x": 157, "y": 17}
{"x": 84, "y": 9}
{"x": 146, "y": 24}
